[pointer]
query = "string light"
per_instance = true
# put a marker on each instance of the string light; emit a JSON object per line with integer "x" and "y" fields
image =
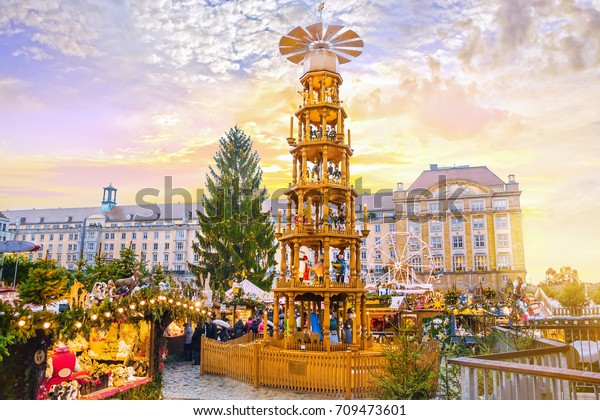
{"x": 185, "y": 305}
{"x": 143, "y": 302}
{"x": 107, "y": 314}
{"x": 178, "y": 303}
{"x": 120, "y": 310}
{"x": 132, "y": 306}
{"x": 94, "y": 317}
{"x": 21, "y": 323}
{"x": 46, "y": 325}
{"x": 170, "y": 300}
{"x": 78, "y": 325}
{"x": 152, "y": 301}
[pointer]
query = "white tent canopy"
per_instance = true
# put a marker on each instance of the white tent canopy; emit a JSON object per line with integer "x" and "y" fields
{"x": 250, "y": 289}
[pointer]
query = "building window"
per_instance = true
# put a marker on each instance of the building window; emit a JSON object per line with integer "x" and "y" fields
{"x": 166, "y": 258}
{"x": 134, "y": 235}
{"x": 438, "y": 263}
{"x": 167, "y": 246}
{"x": 377, "y": 228}
{"x": 501, "y": 222}
{"x": 456, "y": 223}
{"x": 503, "y": 240}
{"x": 61, "y": 237}
{"x": 59, "y": 258}
{"x": 144, "y": 246}
{"x": 122, "y": 247}
{"x": 480, "y": 262}
{"x": 478, "y": 223}
{"x": 155, "y": 235}
{"x": 413, "y": 209}
{"x": 364, "y": 242}
{"x": 51, "y": 236}
{"x": 111, "y": 247}
{"x": 413, "y": 227}
{"x": 123, "y": 236}
{"x": 501, "y": 204}
{"x": 59, "y": 247}
{"x": 436, "y": 242}
{"x": 70, "y": 236}
{"x": 105, "y": 247}
{"x": 433, "y": 207}
{"x": 413, "y": 244}
{"x": 503, "y": 261}
{"x": 435, "y": 226}
{"x": 155, "y": 247}
{"x": 458, "y": 262}
{"x": 133, "y": 247}
{"x": 75, "y": 246}
{"x": 145, "y": 235}
{"x": 32, "y": 237}
{"x": 70, "y": 247}
{"x": 42, "y": 237}
{"x": 167, "y": 235}
{"x": 143, "y": 256}
{"x": 154, "y": 258}
{"x": 180, "y": 234}
{"x": 416, "y": 262}
{"x": 456, "y": 206}
{"x": 77, "y": 236}
{"x": 457, "y": 242}
{"x": 392, "y": 227}
{"x": 377, "y": 241}
{"x": 393, "y": 254}
{"x": 179, "y": 246}
{"x": 179, "y": 257}
{"x": 479, "y": 241}
{"x": 476, "y": 205}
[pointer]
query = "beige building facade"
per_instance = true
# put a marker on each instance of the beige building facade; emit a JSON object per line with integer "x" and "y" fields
{"x": 471, "y": 221}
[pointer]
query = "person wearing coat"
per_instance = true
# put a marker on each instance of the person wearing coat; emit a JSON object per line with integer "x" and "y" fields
{"x": 196, "y": 342}
{"x": 188, "y": 332}
{"x": 239, "y": 328}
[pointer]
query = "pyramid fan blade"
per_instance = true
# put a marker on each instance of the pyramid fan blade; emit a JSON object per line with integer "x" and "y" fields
{"x": 331, "y": 31}
{"x": 353, "y": 53}
{"x": 352, "y": 43}
{"x": 286, "y": 41}
{"x": 300, "y": 33}
{"x": 316, "y": 30}
{"x": 342, "y": 59}
{"x": 297, "y": 58}
{"x": 293, "y": 50}
{"x": 349, "y": 34}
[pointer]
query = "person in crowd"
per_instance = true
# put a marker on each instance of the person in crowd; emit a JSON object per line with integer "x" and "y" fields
{"x": 239, "y": 329}
{"x": 188, "y": 332}
{"x": 196, "y": 343}
{"x": 255, "y": 324}
{"x": 248, "y": 324}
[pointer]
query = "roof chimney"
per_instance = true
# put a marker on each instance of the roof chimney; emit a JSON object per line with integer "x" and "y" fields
{"x": 433, "y": 166}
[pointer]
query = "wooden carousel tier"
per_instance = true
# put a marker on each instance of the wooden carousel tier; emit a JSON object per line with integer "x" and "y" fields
{"x": 317, "y": 184}
{"x": 314, "y": 147}
{"x": 310, "y": 235}
{"x": 287, "y": 285}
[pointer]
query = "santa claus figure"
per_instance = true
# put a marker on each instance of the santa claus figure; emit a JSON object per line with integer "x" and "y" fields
{"x": 62, "y": 366}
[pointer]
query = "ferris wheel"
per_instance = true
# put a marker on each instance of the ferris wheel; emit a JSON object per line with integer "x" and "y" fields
{"x": 400, "y": 258}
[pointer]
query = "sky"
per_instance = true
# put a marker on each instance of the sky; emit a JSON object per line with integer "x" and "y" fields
{"x": 132, "y": 92}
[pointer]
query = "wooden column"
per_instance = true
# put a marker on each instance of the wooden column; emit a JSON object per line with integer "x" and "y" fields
{"x": 289, "y": 213}
{"x": 302, "y": 318}
{"x": 324, "y": 163}
{"x": 291, "y": 317}
{"x": 326, "y": 262}
{"x": 344, "y": 167}
{"x": 296, "y": 262}
{"x": 344, "y": 318}
{"x": 295, "y": 171}
{"x": 283, "y": 266}
{"x": 357, "y": 318}
{"x": 326, "y": 323}
{"x": 352, "y": 263}
{"x": 276, "y": 315}
{"x": 358, "y": 269}
{"x": 364, "y": 321}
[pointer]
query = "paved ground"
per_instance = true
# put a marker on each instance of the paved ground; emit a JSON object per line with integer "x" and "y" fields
{"x": 183, "y": 381}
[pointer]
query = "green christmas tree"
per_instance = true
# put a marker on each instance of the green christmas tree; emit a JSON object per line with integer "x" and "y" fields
{"x": 45, "y": 283}
{"x": 236, "y": 237}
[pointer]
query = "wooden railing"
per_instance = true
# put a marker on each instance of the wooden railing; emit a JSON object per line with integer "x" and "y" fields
{"x": 348, "y": 374}
{"x": 540, "y": 373}
{"x": 288, "y": 282}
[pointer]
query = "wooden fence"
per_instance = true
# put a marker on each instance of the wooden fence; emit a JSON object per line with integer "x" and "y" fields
{"x": 350, "y": 374}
